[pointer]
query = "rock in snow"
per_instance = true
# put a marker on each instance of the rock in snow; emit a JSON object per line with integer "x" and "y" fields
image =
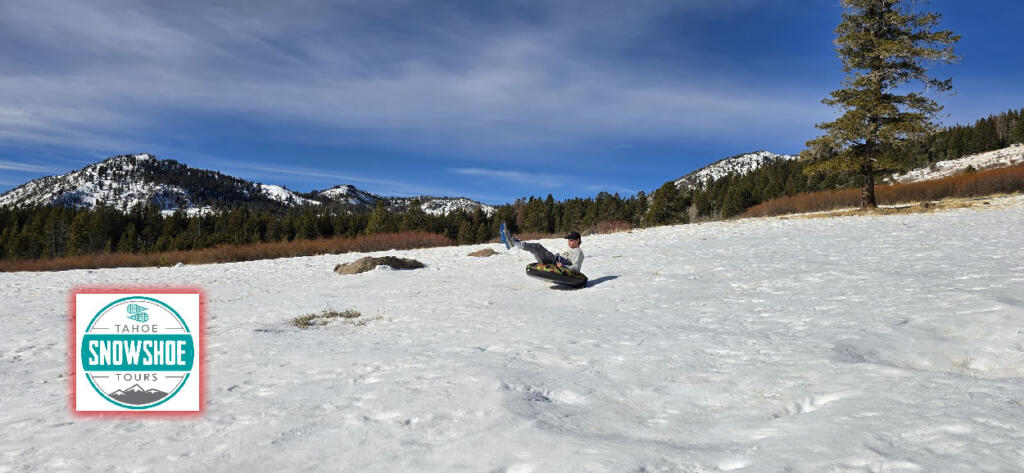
{"x": 885, "y": 343}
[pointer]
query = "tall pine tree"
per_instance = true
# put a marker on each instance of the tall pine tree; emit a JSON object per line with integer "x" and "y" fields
{"x": 885, "y": 46}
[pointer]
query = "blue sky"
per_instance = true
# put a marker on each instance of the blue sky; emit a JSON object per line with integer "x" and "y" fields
{"x": 489, "y": 100}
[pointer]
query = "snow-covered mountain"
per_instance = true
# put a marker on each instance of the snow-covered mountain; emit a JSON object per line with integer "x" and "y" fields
{"x": 285, "y": 196}
{"x": 739, "y": 165}
{"x": 446, "y": 205}
{"x": 125, "y": 181}
{"x": 348, "y": 194}
{"x": 1009, "y": 156}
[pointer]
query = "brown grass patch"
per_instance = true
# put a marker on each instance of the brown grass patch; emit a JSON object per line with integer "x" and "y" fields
{"x": 324, "y": 317}
{"x": 228, "y": 253}
{"x": 1006, "y": 180}
{"x": 611, "y": 226}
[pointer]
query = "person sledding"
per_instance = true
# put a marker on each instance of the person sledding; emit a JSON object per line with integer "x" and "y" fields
{"x": 571, "y": 258}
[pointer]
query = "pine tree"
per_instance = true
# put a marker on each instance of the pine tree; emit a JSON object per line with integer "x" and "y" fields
{"x": 884, "y": 46}
{"x": 378, "y": 222}
{"x": 466, "y": 233}
{"x": 126, "y": 244}
{"x": 79, "y": 243}
{"x": 737, "y": 198}
{"x": 414, "y": 218}
{"x": 665, "y": 206}
{"x": 985, "y": 137}
{"x": 1017, "y": 133}
{"x": 483, "y": 233}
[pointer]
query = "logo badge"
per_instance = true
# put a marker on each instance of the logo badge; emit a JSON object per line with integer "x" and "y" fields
{"x": 137, "y": 352}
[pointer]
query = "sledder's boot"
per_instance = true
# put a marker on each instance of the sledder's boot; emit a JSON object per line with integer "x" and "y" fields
{"x": 506, "y": 239}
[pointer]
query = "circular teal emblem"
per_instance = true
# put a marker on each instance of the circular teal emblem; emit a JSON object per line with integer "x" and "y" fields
{"x": 137, "y": 352}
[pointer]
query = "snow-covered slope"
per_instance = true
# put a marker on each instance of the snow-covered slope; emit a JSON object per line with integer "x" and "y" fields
{"x": 1008, "y": 156}
{"x": 758, "y": 345}
{"x": 125, "y": 181}
{"x": 739, "y": 165}
{"x": 285, "y": 196}
{"x": 113, "y": 181}
{"x": 447, "y": 205}
{"x": 349, "y": 194}
{"x": 432, "y": 205}
{"x": 442, "y": 205}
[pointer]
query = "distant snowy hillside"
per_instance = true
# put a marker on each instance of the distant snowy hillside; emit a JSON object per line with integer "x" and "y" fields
{"x": 440, "y": 205}
{"x": 285, "y": 196}
{"x": 349, "y": 194}
{"x": 869, "y": 344}
{"x": 125, "y": 181}
{"x": 739, "y": 165}
{"x": 444, "y": 206}
{"x": 1008, "y": 156}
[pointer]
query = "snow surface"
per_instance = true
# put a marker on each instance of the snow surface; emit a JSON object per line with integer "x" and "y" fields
{"x": 855, "y": 344}
{"x": 1009, "y": 156}
{"x": 190, "y": 211}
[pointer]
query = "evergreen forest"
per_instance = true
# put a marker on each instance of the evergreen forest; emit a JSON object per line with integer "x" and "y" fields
{"x": 46, "y": 232}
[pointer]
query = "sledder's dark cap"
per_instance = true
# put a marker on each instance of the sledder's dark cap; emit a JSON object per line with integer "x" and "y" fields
{"x": 572, "y": 236}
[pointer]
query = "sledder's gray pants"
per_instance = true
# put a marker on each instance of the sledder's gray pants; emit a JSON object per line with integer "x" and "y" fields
{"x": 542, "y": 255}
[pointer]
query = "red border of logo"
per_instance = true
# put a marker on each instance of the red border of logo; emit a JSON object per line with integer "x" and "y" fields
{"x": 73, "y": 349}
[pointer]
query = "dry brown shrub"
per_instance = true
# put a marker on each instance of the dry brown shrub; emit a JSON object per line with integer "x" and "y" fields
{"x": 810, "y": 202}
{"x": 611, "y": 226}
{"x": 230, "y": 253}
{"x": 1005, "y": 180}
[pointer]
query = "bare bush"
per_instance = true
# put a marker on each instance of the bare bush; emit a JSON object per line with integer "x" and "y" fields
{"x": 610, "y": 226}
{"x": 232, "y": 253}
{"x": 994, "y": 181}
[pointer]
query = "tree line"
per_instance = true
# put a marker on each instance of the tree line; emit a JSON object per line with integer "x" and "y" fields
{"x": 55, "y": 231}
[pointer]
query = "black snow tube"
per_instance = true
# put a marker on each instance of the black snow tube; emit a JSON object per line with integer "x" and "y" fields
{"x": 550, "y": 272}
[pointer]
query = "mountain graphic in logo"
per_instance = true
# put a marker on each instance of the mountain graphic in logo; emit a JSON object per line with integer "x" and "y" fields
{"x": 137, "y": 396}
{"x": 138, "y": 313}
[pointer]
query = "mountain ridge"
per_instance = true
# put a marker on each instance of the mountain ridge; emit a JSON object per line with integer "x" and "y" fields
{"x": 739, "y": 164}
{"x": 125, "y": 181}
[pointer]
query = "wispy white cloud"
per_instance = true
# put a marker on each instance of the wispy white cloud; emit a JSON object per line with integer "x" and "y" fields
{"x": 330, "y": 178}
{"x": 16, "y": 166}
{"x": 459, "y": 84}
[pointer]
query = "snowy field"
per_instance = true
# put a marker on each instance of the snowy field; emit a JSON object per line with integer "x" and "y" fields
{"x": 855, "y": 344}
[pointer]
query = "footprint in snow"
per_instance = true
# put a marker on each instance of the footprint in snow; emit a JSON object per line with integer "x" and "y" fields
{"x": 810, "y": 404}
{"x": 731, "y": 464}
